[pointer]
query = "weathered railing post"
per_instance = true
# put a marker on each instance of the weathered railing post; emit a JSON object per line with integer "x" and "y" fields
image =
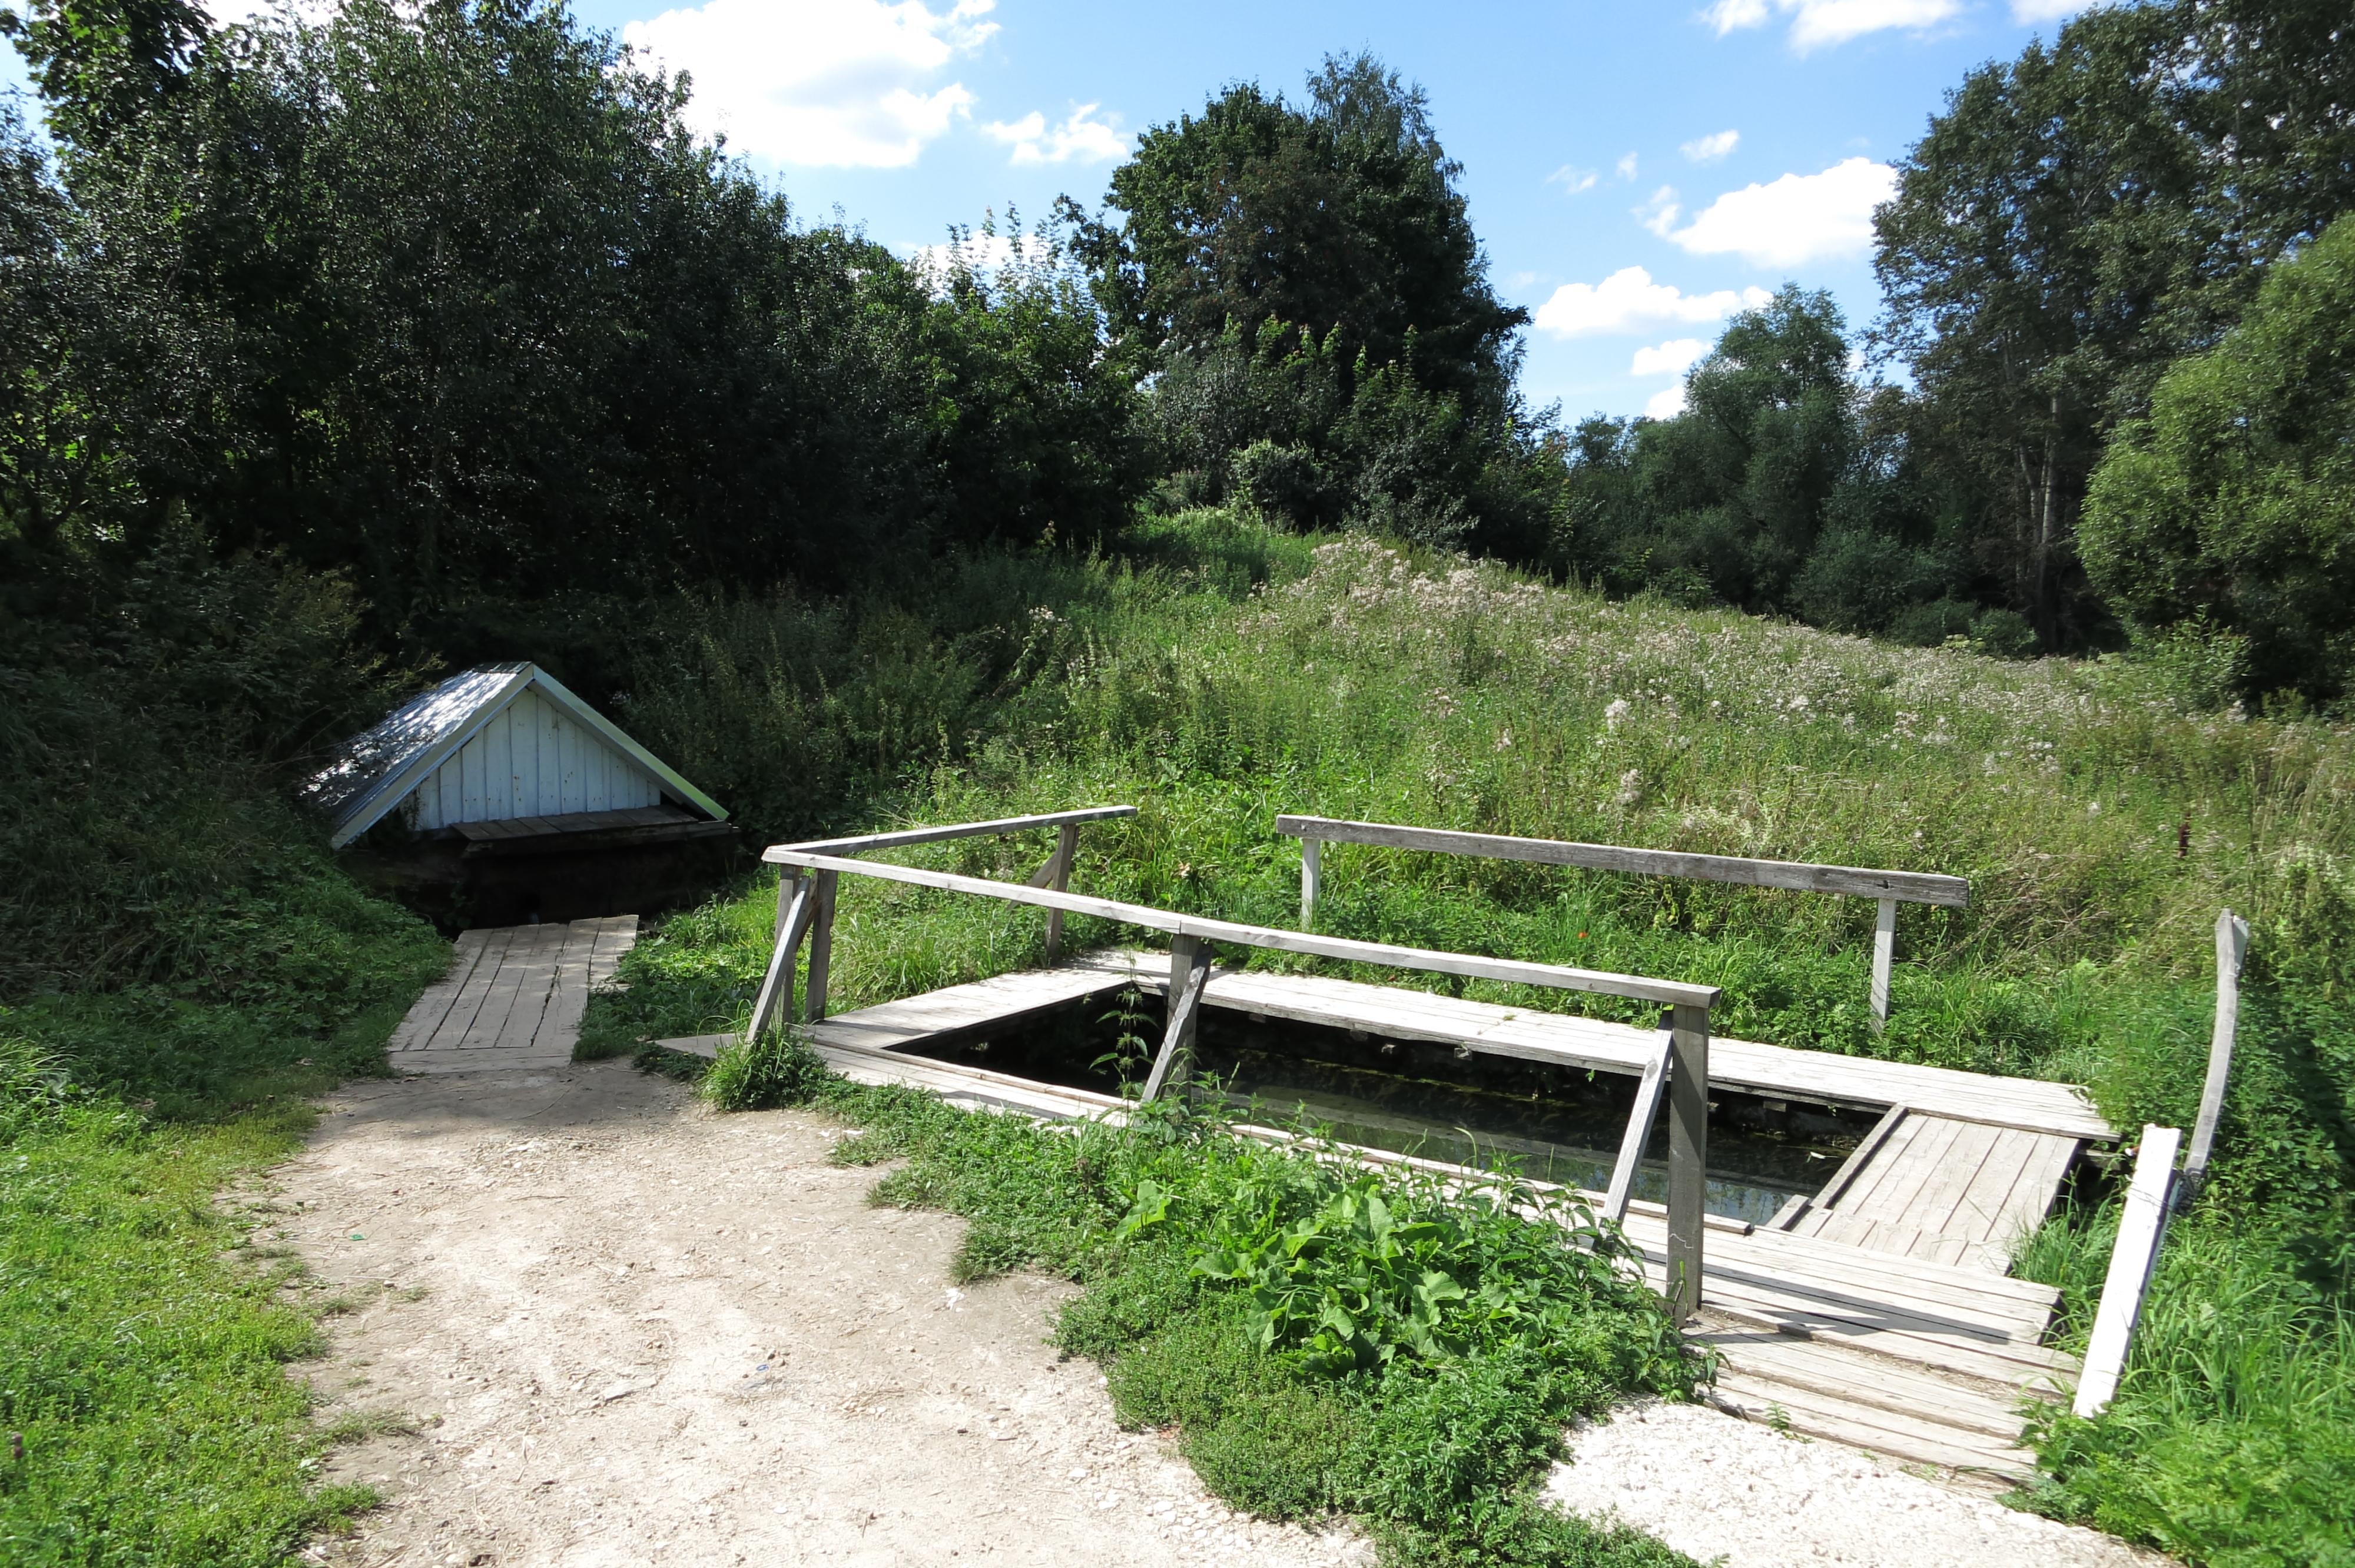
{"x": 821, "y": 944}
{"x": 775, "y": 1000}
{"x": 2232, "y": 947}
{"x": 1688, "y": 1155}
{"x": 1310, "y": 870}
{"x": 1190, "y": 971}
{"x": 1884, "y": 950}
{"x": 1067, "y": 850}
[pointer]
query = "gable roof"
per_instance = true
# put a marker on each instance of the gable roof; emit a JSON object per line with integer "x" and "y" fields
{"x": 375, "y": 770}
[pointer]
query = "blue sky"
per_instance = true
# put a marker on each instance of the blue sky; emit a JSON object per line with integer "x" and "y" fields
{"x": 1635, "y": 171}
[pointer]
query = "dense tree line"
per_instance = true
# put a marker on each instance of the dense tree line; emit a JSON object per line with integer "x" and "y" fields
{"x": 446, "y": 303}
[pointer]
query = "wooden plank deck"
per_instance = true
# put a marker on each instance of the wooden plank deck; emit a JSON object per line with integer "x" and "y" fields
{"x": 1917, "y": 1347}
{"x": 1954, "y": 1191}
{"x": 2060, "y": 1109}
{"x": 512, "y": 998}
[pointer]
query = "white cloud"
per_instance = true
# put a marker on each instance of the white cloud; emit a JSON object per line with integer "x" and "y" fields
{"x": 2047, "y": 10}
{"x": 1659, "y": 213}
{"x": 1628, "y": 300}
{"x": 1800, "y": 217}
{"x": 1673, "y": 357}
{"x": 819, "y": 81}
{"x": 1573, "y": 179}
{"x": 1710, "y": 149}
{"x": 1815, "y": 23}
{"x": 1626, "y": 168}
{"x": 1077, "y": 138}
{"x": 1666, "y": 403}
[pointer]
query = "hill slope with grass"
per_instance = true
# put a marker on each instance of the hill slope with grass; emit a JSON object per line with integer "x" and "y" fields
{"x": 1218, "y": 676}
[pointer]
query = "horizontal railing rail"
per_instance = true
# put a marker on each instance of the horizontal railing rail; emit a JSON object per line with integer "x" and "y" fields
{"x": 907, "y": 836}
{"x": 1203, "y": 927}
{"x": 1889, "y": 888}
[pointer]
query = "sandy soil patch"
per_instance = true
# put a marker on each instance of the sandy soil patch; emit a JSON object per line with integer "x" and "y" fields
{"x": 639, "y": 1332}
{"x": 1711, "y": 1485}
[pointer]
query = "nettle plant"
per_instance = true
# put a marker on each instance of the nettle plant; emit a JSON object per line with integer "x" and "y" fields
{"x": 1352, "y": 1276}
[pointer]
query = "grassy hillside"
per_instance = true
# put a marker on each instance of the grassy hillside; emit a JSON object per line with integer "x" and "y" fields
{"x": 1224, "y": 674}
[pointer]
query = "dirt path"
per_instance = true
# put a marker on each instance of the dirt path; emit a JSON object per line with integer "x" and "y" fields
{"x": 642, "y": 1333}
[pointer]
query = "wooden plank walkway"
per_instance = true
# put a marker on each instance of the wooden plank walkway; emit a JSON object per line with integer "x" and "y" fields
{"x": 512, "y": 998}
{"x": 1933, "y": 1187}
{"x": 1877, "y": 1314}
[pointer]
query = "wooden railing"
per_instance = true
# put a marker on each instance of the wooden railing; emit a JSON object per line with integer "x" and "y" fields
{"x": 806, "y": 905}
{"x": 1683, "y": 1061}
{"x": 1889, "y": 888}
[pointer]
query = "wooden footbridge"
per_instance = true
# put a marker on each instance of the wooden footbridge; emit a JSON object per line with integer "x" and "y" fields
{"x": 1877, "y": 1311}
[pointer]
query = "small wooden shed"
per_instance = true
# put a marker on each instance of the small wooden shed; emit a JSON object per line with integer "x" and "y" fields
{"x": 510, "y": 798}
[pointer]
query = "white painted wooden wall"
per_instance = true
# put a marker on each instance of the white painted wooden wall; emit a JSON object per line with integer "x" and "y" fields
{"x": 532, "y": 760}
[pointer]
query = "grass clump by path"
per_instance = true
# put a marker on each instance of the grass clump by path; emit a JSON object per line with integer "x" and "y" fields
{"x": 1326, "y": 1341}
{"x": 1218, "y": 676}
{"x": 145, "y": 1369}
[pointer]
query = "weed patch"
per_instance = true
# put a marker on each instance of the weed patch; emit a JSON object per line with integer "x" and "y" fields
{"x": 1325, "y": 1341}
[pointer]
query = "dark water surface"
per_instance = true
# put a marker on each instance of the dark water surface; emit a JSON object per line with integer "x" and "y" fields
{"x": 1556, "y": 1124}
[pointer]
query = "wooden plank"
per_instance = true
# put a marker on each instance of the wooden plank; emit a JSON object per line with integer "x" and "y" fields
{"x": 534, "y": 985}
{"x": 1570, "y": 1041}
{"x": 1883, "y": 1434}
{"x": 2232, "y": 947}
{"x": 480, "y": 986}
{"x": 568, "y": 999}
{"x": 775, "y": 1000}
{"x": 2141, "y": 1228}
{"x": 425, "y": 1016}
{"x": 1976, "y": 1406}
{"x": 1559, "y": 976}
{"x": 776, "y": 853}
{"x": 1857, "y": 1161}
{"x": 1646, "y": 1111}
{"x": 1913, "y": 886}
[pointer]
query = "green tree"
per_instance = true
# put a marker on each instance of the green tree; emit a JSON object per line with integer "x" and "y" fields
{"x": 2082, "y": 215}
{"x": 2230, "y": 508}
{"x": 1338, "y": 218}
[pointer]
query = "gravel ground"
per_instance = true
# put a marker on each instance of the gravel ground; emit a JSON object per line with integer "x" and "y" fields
{"x": 628, "y": 1332}
{"x": 1715, "y": 1487}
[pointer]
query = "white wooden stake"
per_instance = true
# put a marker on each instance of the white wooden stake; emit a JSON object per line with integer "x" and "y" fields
{"x": 1884, "y": 950}
{"x": 2140, "y": 1230}
{"x": 1309, "y": 868}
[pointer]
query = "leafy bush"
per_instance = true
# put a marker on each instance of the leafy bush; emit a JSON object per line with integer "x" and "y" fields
{"x": 2233, "y": 503}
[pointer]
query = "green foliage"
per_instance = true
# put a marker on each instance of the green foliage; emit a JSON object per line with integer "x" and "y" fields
{"x": 1434, "y": 1447}
{"x": 2079, "y": 217}
{"x": 772, "y": 1071}
{"x": 2232, "y": 508}
{"x": 2232, "y": 1438}
{"x": 147, "y": 1372}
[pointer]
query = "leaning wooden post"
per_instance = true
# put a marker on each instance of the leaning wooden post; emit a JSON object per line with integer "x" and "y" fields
{"x": 1309, "y": 869}
{"x": 1067, "y": 849}
{"x": 1884, "y": 950}
{"x": 1639, "y": 1125}
{"x": 2141, "y": 1228}
{"x": 775, "y": 998}
{"x": 1190, "y": 971}
{"x": 1688, "y": 1155}
{"x": 2232, "y": 947}
{"x": 821, "y": 944}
